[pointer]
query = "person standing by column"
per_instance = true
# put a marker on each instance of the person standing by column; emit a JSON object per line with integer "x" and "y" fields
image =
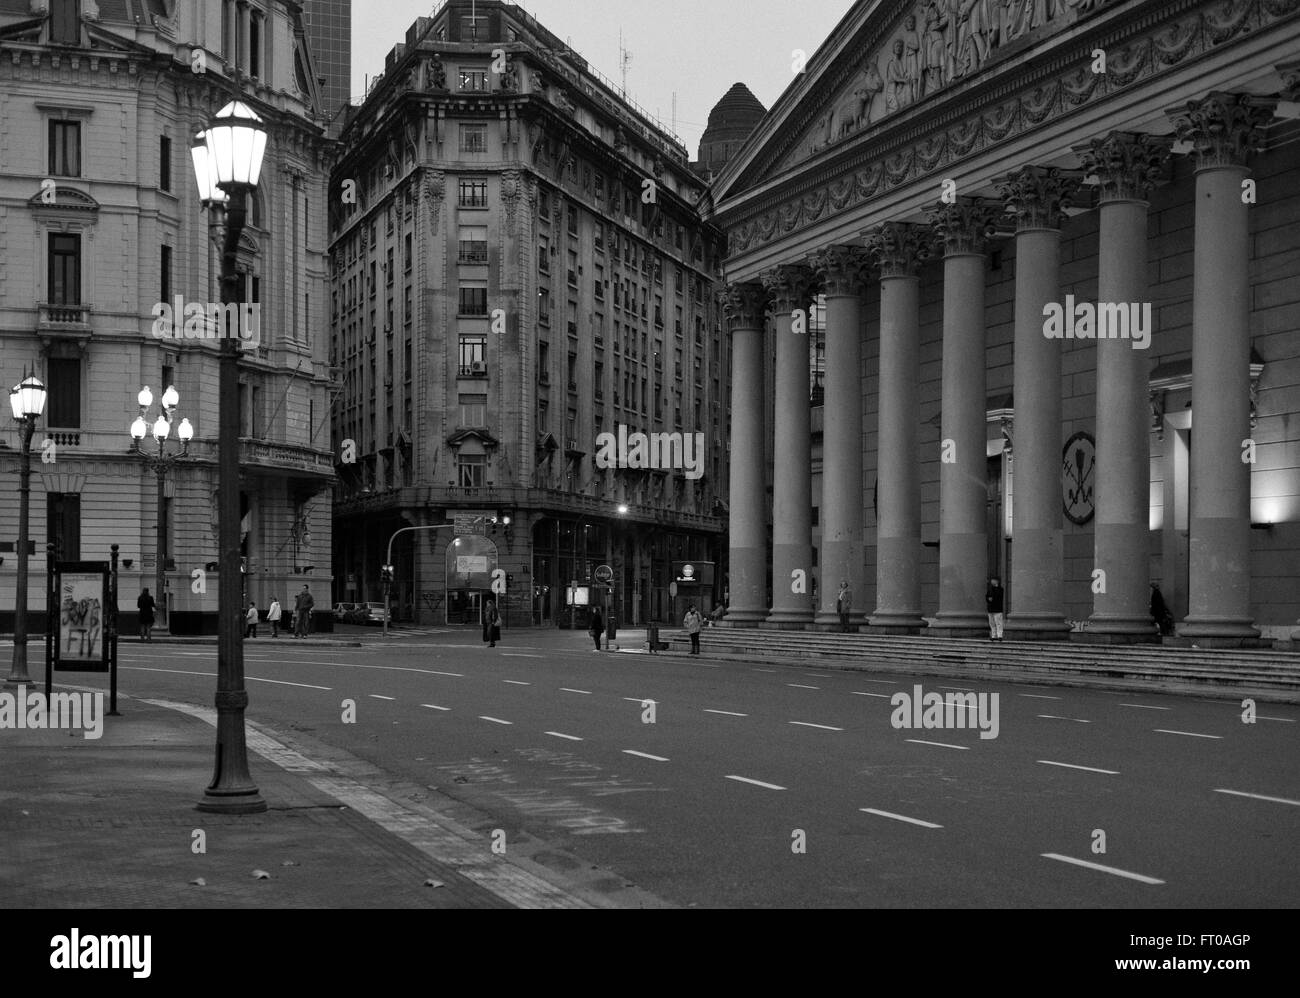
{"x": 844, "y": 605}
{"x": 273, "y": 616}
{"x": 692, "y": 623}
{"x": 597, "y": 626}
{"x": 145, "y": 606}
{"x": 994, "y": 603}
{"x": 302, "y": 605}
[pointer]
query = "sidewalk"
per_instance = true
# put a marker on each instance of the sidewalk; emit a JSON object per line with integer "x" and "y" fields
{"x": 110, "y": 823}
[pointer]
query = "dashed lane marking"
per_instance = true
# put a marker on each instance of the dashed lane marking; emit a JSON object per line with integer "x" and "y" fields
{"x": 809, "y": 724}
{"x": 882, "y": 696}
{"x": 900, "y": 817}
{"x": 1113, "y": 870}
{"x": 494, "y": 720}
{"x": 918, "y": 741}
{"x": 644, "y": 755}
{"x": 1037, "y": 696}
{"x": 434, "y": 706}
{"x": 757, "y": 783}
{"x": 512, "y": 654}
{"x": 1274, "y": 800}
{"x": 1056, "y": 717}
{"x": 560, "y": 734}
{"x": 765, "y": 670}
{"x": 391, "y": 668}
{"x": 801, "y": 686}
{"x": 565, "y": 689}
{"x": 380, "y": 697}
{"x": 516, "y": 682}
{"x": 729, "y": 713}
{"x": 1285, "y": 720}
{"x": 1088, "y": 769}
{"x": 1144, "y": 706}
{"x": 1189, "y": 734}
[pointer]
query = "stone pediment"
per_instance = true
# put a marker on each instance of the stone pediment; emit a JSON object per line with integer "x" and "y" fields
{"x": 60, "y": 198}
{"x": 899, "y": 54}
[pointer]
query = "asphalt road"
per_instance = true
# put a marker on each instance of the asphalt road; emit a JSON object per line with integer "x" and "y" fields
{"x": 745, "y": 762}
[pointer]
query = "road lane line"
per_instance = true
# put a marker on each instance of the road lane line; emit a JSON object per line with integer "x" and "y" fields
{"x": 819, "y": 675}
{"x": 644, "y": 755}
{"x": 378, "y": 697}
{"x": 1037, "y": 696}
{"x": 918, "y": 741}
{"x": 516, "y": 682}
{"x": 1144, "y": 706}
{"x": 882, "y": 682}
{"x": 494, "y": 720}
{"x": 729, "y": 713}
{"x": 560, "y": 734}
{"x": 1189, "y": 734}
{"x": 900, "y": 817}
{"x": 765, "y": 670}
{"x": 1056, "y": 717}
{"x": 801, "y": 686}
{"x": 882, "y": 696}
{"x": 285, "y": 682}
{"x": 565, "y": 689}
{"x": 178, "y": 672}
{"x": 391, "y": 668}
{"x": 809, "y": 724}
{"x": 511, "y": 654}
{"x": 1286, "y": 720}
{"x": 1274, "y": 800}
{"x": 1070, "y": 765}
{"x": 434, "y": 706}
{"x": 636, "y": 699}
{"x": 964, "y": 689}
{"x": 757, "y": 783}
{"x": 1116, "y": 871}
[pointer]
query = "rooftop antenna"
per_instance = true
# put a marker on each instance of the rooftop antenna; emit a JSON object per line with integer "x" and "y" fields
{"x": 624, "y": 60}
{"x": 674, "y": 112}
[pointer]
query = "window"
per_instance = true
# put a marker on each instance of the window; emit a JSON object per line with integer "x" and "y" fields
{"x": 543, "y": 254}
{"x": 544, "y": 306}
{"x": 165, "y": 265}
{"x": 543, "y": 204}
{"x": 388, "y": 268}
{"x": 473, "y": 80}
{"x": 473, "y": 244}
{"x": 473, "y": 138}
{"x": 598, "y": 282}
{"x": 470, "y": 470}
{"x": 473, "y": 193}
{"x": 573, "y": 219}
{"x": 65, "y": 269}
{"x": 543, "y": 362}
{"x": 473, "y": 301}
{"x": 573, "y": 269}
{"x": 64, "y": 393}
{"x": 164, "y": 163}
{"x": 598, "y": 235}
{"x": 573, "y": 372}
{"x": 473, "y": 351}
{"x": 65, "y": 148}
{"x": 473, "y": 409}
{"x": 65, "y": 22}
{"x": 406, "y": 257}
{"x": 254, "y": 45}
{"x": 63, "y": 524}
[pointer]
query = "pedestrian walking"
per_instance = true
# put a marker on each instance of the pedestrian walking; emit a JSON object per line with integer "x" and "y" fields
{"x": 1160, "y": 611}
{"x": 597, "y": 626}
{"x": 273, "y": 616}
{"x": 145, "y": 606}
{"x": 692, "y": 623}
{"x": 491, "y": 624}
{"x": 302, "y": 604}
{"x": 250, "y": 620}
{"x": 844, "y": 604}
{"x": 994, "y": 604}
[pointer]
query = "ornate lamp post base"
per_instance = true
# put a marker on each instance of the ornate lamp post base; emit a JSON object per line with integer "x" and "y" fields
{"x": 232, "y": 790}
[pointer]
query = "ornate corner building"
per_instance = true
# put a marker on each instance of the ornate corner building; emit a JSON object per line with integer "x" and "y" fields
{"x": 1057, "y": 245}
{"x": 100, "y": 221}
{"x": 519, "y": 267}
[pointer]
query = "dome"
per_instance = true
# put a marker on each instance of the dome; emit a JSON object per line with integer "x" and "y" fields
{"x": 731, "y": 121}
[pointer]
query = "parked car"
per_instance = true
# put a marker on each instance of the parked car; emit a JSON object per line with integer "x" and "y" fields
{"x": 341, "y": 611}
{"x": 370, "y": 613}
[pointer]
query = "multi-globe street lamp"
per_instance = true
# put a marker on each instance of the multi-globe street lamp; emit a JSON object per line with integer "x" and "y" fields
{"x": 27, "y": 400}
{"x": 160, "y": 463}
{"x": 227, "y": 158}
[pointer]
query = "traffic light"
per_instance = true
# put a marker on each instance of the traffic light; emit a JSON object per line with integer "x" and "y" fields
{"x": 385, "y": 573}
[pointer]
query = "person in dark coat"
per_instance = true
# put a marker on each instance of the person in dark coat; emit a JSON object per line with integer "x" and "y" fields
{"x": 145, "y": 605}
{"x": 994, "y": 603}
{"x": 597, "y": 626}
{"x": 491, "y": 624}
{"x": 1160, "y": 611}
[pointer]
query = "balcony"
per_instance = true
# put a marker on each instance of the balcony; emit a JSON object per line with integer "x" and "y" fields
{"x": 475, "y": 369}
{"x": 59, "y": 324}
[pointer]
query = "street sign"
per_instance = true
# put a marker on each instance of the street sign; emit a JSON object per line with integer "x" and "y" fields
{"x": 604, "y": 574}
{"x": 464, "y": 523}
{"x": 693, "y": 573}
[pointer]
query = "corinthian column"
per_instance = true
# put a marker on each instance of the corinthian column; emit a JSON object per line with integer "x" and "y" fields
{"x": 747, "y": 527}
{"x": 899, "y": 249}
{"x": 841, "y": 271}
{"x": 790, "y": 289}
{"x": 1037, "y": 198}
{"x": 1223, "y": 130}
{"x": 963, "y": 230}
{"x": 1127, "y": 165}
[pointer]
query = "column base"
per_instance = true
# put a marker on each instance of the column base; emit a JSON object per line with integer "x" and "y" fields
{"x": 232, "y": 802}
{"x": 1036, "y": 627}
{"x": 786, "y": 621}
{"x": 1118, "y": 628}
{"x": 887, "y": 622}
{"x": 959, "y": 625}
{"x": 740, "y": 618}
{"x": 1220, "y": 632}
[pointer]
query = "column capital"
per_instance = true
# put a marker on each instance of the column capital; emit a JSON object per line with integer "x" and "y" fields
{"x": 899, "y": 248}
{"x": 965, "y": 226}
{"x": 1290, "y": 73}
{"x": 842, "y": 270}
{"x": 1127, "y": 164}
{"x": 1037, "y": 196}
{"x": 1223, "y": 128}
{"x": 743, "y": 305}
{"x": 789, "y": 286}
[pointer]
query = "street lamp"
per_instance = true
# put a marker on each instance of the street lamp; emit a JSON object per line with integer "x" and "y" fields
{"x": 27, "y": 400}
{"x": 160, "y": 463}
{"x": 228, "y": 162}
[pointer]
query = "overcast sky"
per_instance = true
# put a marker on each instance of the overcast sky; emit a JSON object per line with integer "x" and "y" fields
{"x": 695, "y": 48}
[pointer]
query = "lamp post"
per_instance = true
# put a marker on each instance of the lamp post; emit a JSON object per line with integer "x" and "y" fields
{"x": 228, "y": 161}
{"x": 27, "y": 400}
{"x": 160, "y": 463}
